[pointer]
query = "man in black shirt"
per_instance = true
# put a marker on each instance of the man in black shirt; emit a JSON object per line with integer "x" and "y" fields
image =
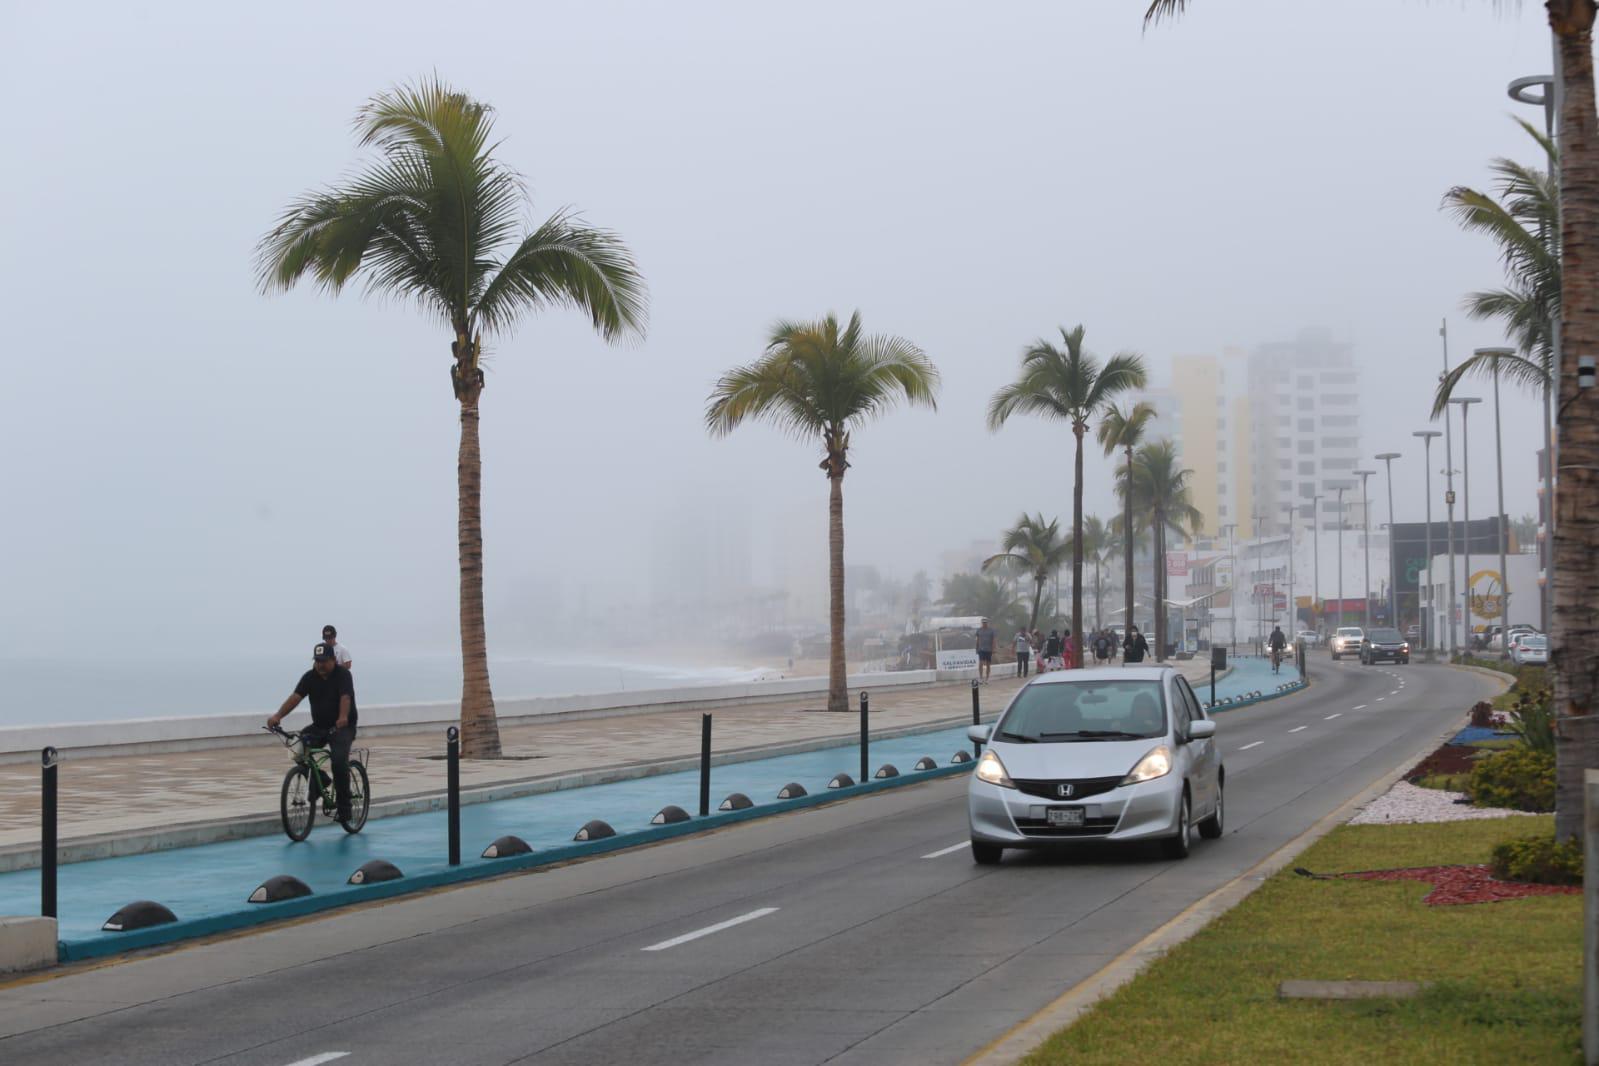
{"x": 331, "y": 691}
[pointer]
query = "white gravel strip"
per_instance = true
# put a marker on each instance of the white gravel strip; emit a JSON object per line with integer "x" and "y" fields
{"x": 1407, "y": 803}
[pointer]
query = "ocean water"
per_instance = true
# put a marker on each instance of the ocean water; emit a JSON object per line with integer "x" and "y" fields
{"x": 36, "y": 691}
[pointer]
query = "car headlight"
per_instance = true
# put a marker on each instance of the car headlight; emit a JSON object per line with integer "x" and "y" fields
{"x": 1156, "y": 764}
{"x": 1405, "y": 648}
{"x": 991, "y": 770}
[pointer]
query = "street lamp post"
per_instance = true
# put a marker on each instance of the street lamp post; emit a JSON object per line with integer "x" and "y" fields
{"x": 1494, "y": 355}
{"x": 1365, "y": 525}
{"x": 1232, "y": 591}
{"x": 1293, "y": 608}
{"x": 1393, "y": 554}
{"x": 1430, "y": 618}
{"x": 1341, "y": 490}
{"x": 1260, "y": 569}
{"x": 1315, "y": 549}
{"x": 1465, "y": 403}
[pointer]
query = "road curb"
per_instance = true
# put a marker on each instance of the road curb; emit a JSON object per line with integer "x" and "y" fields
{"x": 1076, "y": 1001}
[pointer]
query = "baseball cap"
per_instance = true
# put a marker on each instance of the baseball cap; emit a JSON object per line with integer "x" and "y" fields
{"x": 322, "y": 651}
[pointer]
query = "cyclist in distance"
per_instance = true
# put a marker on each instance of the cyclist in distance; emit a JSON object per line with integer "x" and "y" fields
{"x": 1277, "y": 642}
{"x": 331, "y": 690}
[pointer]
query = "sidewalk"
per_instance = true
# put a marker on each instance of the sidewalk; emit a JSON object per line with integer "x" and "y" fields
{"x": 141, "y": 793}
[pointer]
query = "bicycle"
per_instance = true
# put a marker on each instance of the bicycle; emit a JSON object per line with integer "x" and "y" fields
{"x": 1276, "y": 659}
{"x": 311, "y": 778}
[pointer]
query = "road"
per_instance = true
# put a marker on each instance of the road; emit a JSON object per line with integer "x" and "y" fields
{"x": 860, "y": 932}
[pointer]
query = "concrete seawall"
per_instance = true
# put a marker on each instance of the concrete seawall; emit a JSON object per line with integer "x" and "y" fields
{"x": 144, "y": 736}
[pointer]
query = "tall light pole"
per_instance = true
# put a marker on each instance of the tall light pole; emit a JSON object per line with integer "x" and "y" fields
{"x": 1315, "y": 549}
{"x": 1260, "y": 567}
{"x": 1293, "y": 608}
{"x": 1232, "y": 591}
{"x": 1449, "y": 495}
{"x": 1494, "y": 355}
{"x": 1393, "y": 565}
{"x": 1365, "y": 529}
{"x": 1465, "y": 403}
{"x": 1341, "y": 490}
{"x": 1429, "y": 619}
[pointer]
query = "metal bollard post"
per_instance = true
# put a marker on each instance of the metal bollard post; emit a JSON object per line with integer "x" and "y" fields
{"x": 1213, "y": 682}
{"x": 705, "y": 765}
{"x": 977, "y": 717}
{"x": 47, "y": 835}
{"x": 452, "y": 755}
{"x": 866, "y": 740}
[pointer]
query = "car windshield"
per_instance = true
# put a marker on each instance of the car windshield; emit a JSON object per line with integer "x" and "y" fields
{"x": 1349, "y": 631}
{"x": 1534, "y": 642}
{"x": 1386, "y": 636}
{"x": 1075, "y": 711}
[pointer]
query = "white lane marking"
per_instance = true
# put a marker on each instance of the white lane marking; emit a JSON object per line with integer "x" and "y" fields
{"x": 945, "y": 851}
{"x": 318, "y": 1060}
{"x": 1256, "y": 744}
{"x": 1380, "y": 699}
{"x": 1361, "y": 707}
{"x": 709, "y": 929}
{"x": 1298, "y": 728}
{"x": 1330, "y": 717}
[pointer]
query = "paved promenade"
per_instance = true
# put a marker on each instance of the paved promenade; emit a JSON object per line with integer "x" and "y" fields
{"x": 140, "y": 793}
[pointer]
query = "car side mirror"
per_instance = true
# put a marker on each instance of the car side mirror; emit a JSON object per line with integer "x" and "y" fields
{"x": 978, "y": 734}
{"x": 1201, "y": 729}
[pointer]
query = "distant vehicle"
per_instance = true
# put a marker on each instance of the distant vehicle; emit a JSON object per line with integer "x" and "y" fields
{"x": 1413, "y": 634}
{"x": 1308, "y": 637}
{"x": 1346, "y": 641}
{"x": 1084, "y": 756}
{"x": 1532, "y": 650}
{"x": 1495, "y": 636}
{"x": 1384, "y": 645}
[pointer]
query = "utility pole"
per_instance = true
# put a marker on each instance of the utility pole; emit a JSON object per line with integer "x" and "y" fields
{"x": 1430, "y": 617}
{"x": 1365, "y": 524}
{"x": 1293, "y": 608}
{"x": 1315, "y": 548}
{"x": 1494, "y": 355}
{"x": 1465, "y": 403}
{"x": 1341, "y": 490}
{"x": 1393, "y": 544}
{"x": 1449, "y": 496}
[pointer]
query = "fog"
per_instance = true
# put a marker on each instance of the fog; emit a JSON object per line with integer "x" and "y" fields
{"x": 192, "y": 468}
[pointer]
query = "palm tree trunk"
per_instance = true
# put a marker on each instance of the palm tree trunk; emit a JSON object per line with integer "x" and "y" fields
{"x": 480, "y": 731}
{"x": 1127, "y": 538}
{"x": 837, "y": 686}
{"x": 1098, "y": 592}
{"x": 1077, "y": 548}
{"x": 1575, "y": 643}
{"x": 1160, "y": 587}
{"x": 1038, "y": 598}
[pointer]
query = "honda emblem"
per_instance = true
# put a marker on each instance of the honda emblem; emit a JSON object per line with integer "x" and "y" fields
{"x": 1063, "y": 790}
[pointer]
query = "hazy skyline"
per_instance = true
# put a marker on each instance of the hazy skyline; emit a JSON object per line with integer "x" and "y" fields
{"x": 195, "y": 467}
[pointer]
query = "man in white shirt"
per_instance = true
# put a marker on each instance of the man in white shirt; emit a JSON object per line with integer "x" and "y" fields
{"x": 341, "y": 654}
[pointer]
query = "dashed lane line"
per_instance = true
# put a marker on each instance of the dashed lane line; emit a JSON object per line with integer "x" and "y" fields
{"x": 318, "y": 1060}
{"x": 941, "y": 852}
{"x": 1256, "y": 744}
{"x": 1330, "y": 717}
{"x": 1379, "y": 699}
{"x": 1298, "y": 728}
{"x": 1361, "y": 707}
{"x": 709, "y": 929}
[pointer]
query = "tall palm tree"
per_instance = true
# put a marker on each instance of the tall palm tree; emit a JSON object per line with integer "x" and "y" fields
{"x": 1035, "y": 548}
{"x": 1574, "y": 641}
{"x": 437, "y": 219}
{"x": 1099, "y": 545}
{"x": 819, "y": 382}
{"x": 1161, "y": 486}
{"x": 985, "y": 597}
{"x": 1071, "y": 385}
{"x": 1125, "y": 430}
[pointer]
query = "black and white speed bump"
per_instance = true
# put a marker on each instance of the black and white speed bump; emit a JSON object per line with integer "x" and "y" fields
{"x": 736, "y": 801}
{"x": 374, "y": 871}
{"x": 926, "y": 762}
{"x": 841, "y": 781}
{"x": 505, "y": 846}
{"x": 279, "y": 888}
{"x": 669, "y": 815}
{"x": 960, "y": 757}
{"x": 792, "y": 790}
{"x": 140, "y": 914}
{"x": 595, "y": 830}
{"x": 887, "y": 770}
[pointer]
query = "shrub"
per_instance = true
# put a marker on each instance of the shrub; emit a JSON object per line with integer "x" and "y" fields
{"x": 1534, "y": 721}
{"x": 1521, "y": 779}
{"x": 1538, "y": 859}
{"x": 1482, "y": 714}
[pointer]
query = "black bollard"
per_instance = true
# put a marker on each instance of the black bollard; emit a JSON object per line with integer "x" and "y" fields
{"x": 865, "y": 738}
{"x": 977, "y": 717}
{"x": 1213, "y": 682}
{"x": 452, "y": 751}
{"x": 47, "y": 834}
{"x": 705, "y": 765}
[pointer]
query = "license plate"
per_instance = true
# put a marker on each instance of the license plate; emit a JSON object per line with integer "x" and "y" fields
{"x": 1065, "y": 816}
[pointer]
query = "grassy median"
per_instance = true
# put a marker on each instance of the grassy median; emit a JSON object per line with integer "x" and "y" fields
{"x": 1506, "y": 977}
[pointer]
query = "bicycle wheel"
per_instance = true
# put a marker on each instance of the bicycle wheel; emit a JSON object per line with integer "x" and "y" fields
{"x": 360, "y": 798}
{"x": 299, "y": 804}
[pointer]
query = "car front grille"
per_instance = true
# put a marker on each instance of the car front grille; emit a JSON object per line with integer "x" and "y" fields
{"x": 1091, "y": 827}
{"x": 1082, "y": 787}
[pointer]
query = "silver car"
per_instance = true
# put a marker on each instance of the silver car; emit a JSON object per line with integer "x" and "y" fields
{"x": 1121, "y": 755}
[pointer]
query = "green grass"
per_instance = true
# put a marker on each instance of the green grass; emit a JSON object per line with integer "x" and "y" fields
{"x": 1507, "y": 978}
{"x": 1445, "y": 782}
{"x": 1496, "y": 744}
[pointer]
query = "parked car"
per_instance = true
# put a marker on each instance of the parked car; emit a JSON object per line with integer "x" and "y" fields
{"x": 1413, "y": 634}
{"x": 1308, "y": 637}
{"x": 1346, "y": 641}
{"x": 1125, "y": 755}
{"x": 1384, "y": 645}
{"x": 1531, "y": 649}
{"x": 1497, "y": 635}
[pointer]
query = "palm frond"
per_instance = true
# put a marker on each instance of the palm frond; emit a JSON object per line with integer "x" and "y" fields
{"x": 565, "y": 262}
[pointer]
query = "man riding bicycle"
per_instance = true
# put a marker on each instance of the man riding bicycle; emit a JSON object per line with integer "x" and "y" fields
{"x": 1277, "y": 642}
{"x": 331, "y": 691}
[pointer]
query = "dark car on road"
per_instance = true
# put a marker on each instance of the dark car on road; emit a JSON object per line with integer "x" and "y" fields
{"x": 1384, "y": 645}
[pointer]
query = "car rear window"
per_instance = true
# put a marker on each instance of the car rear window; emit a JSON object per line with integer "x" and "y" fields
{"x": 1073, "y": 711}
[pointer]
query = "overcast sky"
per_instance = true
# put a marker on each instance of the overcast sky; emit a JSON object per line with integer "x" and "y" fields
{"x": 188, "y": 462}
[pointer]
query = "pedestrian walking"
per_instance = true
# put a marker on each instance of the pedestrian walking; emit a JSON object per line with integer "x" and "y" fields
{"x": 1135, "y": 648}
{"x": 1024, "y": 651}
{"x": 985, "y": 651}
{"x": 1102, "y": 647}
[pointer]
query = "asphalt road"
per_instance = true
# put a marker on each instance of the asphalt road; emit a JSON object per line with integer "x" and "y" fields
{"x": 856, "y": 933}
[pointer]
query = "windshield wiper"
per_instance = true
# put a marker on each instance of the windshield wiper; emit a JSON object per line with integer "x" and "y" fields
{"x": 1019, "y": 738}
{"x": 1096, "y": 733}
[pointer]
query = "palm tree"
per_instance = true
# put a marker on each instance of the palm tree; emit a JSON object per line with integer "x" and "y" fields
{"x": 1099, "y": 544}
{"x": 984, "y": 597}
{"x": 1160, "y": 486}
{"x": 1035, "y": 548}
{"x": 1126, "y": 429}
{"x": 1574, "y": 642}
{"x": 1072, "y": 386}
{"x": 437, "y": 219}
{"x": 819, "y": 383}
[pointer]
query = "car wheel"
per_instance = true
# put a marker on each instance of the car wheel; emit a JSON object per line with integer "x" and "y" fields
{"x": 986, "y": 854}
{"x": 1178, "y": 846}
{"x": 1211, "y": 828}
